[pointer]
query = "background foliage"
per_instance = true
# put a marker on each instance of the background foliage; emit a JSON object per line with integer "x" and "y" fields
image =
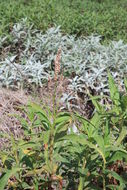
{"x": 81, "y": 17}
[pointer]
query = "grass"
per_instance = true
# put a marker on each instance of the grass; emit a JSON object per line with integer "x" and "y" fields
{"x": 81, "y": 17}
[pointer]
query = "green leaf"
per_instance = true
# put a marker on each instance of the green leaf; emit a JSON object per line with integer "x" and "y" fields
{"x": 96, "y": 120}
{"x": 25, "y": 186}
{"x": 125, "y": 83}
{"x": 80, "y": 139}
{"x": 97, "y": 105}
{"x": 59, "y": 127}
{"x": 115, "y": 148}
{"x": 124, "y": 102}
{"x": 116, "y": 176}
{"x": 121, "y": 136}
{"x": 40, "y": 112}
{"x": 6, "y": 176}
{"x": 113, "y": 187}
{"x": 107, "y": 134}
{"x": 114, "y": 93}
{"x": 62, "y": 119}
{"x": 60, "y": 134}
{"x": 85, "y": 121}
{"x": 100, "y": 141}
{"x": 118, "y": 156}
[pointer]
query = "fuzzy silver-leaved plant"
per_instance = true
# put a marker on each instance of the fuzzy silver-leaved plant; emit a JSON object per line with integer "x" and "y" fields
{"x": 33, "y": 54}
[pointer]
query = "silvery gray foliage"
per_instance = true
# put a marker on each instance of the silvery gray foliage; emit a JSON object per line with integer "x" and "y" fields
{"x": 86, "y": 57}
{"x": 2, "y": 40}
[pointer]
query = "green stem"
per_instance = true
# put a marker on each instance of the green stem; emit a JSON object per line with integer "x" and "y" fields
{"x": 82, "y": 179}
{"x": 51, "y": 141}
{"x": 81, "y": 184}
{"x": 53, "y": 125}
{"x": 104, "y": 185}
{"x": 51, "y": 147}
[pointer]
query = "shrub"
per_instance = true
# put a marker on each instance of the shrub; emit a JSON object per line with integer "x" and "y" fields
{"x": 51, "y": 154}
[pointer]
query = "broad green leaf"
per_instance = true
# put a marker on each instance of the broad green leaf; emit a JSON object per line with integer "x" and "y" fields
{"x": 96, "y": 120}
{"x": 59, "y": 127}
{"x": 62, "y": 119}
{"x": 115, "y": 148}
{"x": 122, "y": 135}
{"x": 60, "y": 135}
{"x": 118, "y": 155}
{"x": 100, "y": 141}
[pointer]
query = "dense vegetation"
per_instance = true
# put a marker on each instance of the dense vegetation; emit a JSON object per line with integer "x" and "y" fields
{"x": 63, "y": 150}
{"x": 72, "y": 133}
{"x": 81, "y": 17}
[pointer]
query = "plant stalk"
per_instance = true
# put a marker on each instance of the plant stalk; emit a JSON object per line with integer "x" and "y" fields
{"x": 82, "y": 179}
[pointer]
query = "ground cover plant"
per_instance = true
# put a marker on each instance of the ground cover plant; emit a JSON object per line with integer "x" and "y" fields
{"x": 30, "y": 56}
{"x": 81, "y": 17}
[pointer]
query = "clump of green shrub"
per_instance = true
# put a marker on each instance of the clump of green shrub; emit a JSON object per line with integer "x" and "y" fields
{"x": 81, "y": 17}
{"x": 63, "y": 150}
